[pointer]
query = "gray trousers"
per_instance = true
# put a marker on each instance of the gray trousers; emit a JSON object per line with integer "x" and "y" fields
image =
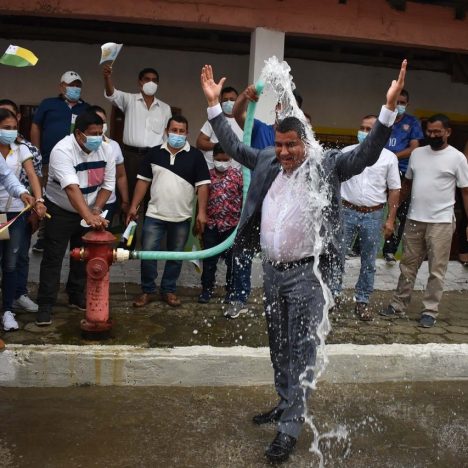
{"x": 293, "y": 307}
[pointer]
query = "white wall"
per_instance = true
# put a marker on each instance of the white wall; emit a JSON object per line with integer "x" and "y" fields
{"x": 336, "y": 95}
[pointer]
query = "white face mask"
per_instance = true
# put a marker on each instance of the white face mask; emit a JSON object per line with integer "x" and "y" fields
{"x": 221, "y": 166}
{"x": 150, "y": 88}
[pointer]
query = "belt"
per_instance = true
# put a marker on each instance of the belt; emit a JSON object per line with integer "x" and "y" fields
{"x": 136, "y": 149}
{"x": 283, "y": 266}
{"x": 362, "y": 209}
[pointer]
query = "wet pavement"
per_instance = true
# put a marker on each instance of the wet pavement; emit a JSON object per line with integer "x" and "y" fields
{"x": 159, "y": 325}
{"x": 392, "y": 425}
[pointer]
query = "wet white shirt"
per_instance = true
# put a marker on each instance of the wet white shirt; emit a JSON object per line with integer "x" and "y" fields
{"x": 285, "y": 232}
{"x": 143, "y": 127}
{"x": 369, "y": 188}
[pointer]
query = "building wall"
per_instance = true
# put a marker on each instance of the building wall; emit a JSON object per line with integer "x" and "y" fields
{"x": 336, "y": 95}
{"x": 367, "y": 20}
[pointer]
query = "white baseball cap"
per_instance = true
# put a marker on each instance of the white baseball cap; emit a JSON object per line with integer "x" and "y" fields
{"x": 69, "y": 77}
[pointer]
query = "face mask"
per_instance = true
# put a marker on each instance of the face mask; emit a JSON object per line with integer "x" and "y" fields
{"x": 361, "y": 136}
{"x": 221, "y": 166}
{"x": 227, "y": 106}
{"x": 401, "y": 109}
{"x": 104, "y": 128}
{"x": 7, "y": 137}
{"x": 150, "y": 88}
{"x": 176, "y": 141}
{"x": 72, "y": 93}
{"x": 93, "y": 142}
{"x": 435, "y": 142}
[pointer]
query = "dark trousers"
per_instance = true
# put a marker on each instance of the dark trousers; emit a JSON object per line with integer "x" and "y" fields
{"x": 294, "y": 302}
{"x": 63, "y": 227}
{"x": 211, "y": 238}
{"x": 461, "y": 227}
{"x": 22, "y": 262}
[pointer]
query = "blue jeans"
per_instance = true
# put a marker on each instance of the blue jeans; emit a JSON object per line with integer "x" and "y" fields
{"x": 239, "y": 289}
{"x": 154, "y": 231}
{"x": 9, "y": 255}
{"x": 368, "y": 227}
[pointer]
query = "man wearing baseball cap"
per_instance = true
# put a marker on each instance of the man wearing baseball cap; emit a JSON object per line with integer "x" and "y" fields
{"x": 55, "y": 119}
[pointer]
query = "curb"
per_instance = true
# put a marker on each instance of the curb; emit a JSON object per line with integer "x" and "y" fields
{"x": 65, "y": 365}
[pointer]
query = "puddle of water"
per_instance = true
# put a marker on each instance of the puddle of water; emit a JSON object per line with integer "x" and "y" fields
{"x": 389, "y": 425}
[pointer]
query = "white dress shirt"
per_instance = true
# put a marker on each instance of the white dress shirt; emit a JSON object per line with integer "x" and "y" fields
{"x": 143, "y": 127}
{"x": 369, "y": 188}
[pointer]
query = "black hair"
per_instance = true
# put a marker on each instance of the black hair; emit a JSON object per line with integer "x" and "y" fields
{"x": 179, "y": 119}
{"x": 218, "y": 149}
{"x": 148, "y": 70}
{"x": 405, "y": 93}
{"x": 298, "y": 98}
{"x": 369, "y": 116}
{"x": 87, "y": 118}
{"x": 95, "y": 108}
{"x": 6, "y": 114}
{"x": 228, "y": 89}
{"x": 440, "y": 118}
{"x": 9, "y": 102}
{"x": 292, "y": 124}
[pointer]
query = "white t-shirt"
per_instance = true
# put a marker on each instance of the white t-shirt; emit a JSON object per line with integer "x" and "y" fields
{"x": 143, "y": 127}
{"x": 16, "y": 157}
{"x": 435, "y": 175}
{"x": 369, "y": 188}
{"x": 119, "y": 159}
{"x": 207, "y": 129}
{"x": 69, "y": 165}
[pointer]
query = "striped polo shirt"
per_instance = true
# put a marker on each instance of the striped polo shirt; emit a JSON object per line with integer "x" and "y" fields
{"x": 70, "y": 165}
{"x": 174, "y": 178}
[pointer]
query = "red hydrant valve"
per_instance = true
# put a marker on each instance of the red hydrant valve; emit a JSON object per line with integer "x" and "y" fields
{"x": 98, "y": 255}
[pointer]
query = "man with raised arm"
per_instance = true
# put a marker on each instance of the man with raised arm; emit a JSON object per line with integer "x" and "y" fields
{"x": 294, "y": 299}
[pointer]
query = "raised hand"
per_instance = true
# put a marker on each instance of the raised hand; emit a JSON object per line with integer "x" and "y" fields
{"x": 396, "y": 87}
{"x": 211, "y": 89}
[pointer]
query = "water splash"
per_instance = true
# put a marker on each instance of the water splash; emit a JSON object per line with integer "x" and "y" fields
{"x": 310, "y": 178}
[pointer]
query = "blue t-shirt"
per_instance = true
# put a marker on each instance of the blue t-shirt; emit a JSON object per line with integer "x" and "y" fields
{"x": 263, "y": 135}
{"x": 56, "y": 120}
{"x": 407, "y": 129}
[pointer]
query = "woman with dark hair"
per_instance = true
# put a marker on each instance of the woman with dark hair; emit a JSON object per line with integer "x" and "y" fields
{"x": 13, "y": 197}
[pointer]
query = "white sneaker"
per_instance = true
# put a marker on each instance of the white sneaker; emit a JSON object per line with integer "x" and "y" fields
{"x": 8, "y": 321}
{"x": 26, "y": 303}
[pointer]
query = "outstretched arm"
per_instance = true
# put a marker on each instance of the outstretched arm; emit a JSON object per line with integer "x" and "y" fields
{"x": 240, "y": 107}
{"x": 368, "y": 152}
{"x": 244, "y": 154}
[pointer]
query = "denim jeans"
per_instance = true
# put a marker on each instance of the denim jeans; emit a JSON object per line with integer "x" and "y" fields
{"x": 154, "y": 231}
{"x": 239, "y": 289}
{"x": 9, "y": 255}
{"x": 368, "y": 227}
{"x": 22, "y": 262}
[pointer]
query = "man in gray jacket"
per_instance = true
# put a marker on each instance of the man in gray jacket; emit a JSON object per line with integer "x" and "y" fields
{"x": 294, "y": 299}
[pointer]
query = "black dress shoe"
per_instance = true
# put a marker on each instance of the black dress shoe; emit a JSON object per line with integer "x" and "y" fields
{"x": 271, "y": 416}
{"x": 281, "y": 447}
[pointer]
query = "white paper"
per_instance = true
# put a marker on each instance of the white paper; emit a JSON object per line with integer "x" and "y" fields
{"x": 109, "y": 52}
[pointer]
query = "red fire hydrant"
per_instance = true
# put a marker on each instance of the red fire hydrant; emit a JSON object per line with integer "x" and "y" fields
{"x": 98, "y": 254}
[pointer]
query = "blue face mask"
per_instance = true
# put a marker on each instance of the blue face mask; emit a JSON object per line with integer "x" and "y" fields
{"x": 93, "y": 142}
{"x": 361, "y": 136}
{"x": 72, "y": 93}
{"x": 227, "y": 106}
{"x": 401, "y": 109}
{"x": 7, "y": 137}
{"x": 176, "y": 141}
